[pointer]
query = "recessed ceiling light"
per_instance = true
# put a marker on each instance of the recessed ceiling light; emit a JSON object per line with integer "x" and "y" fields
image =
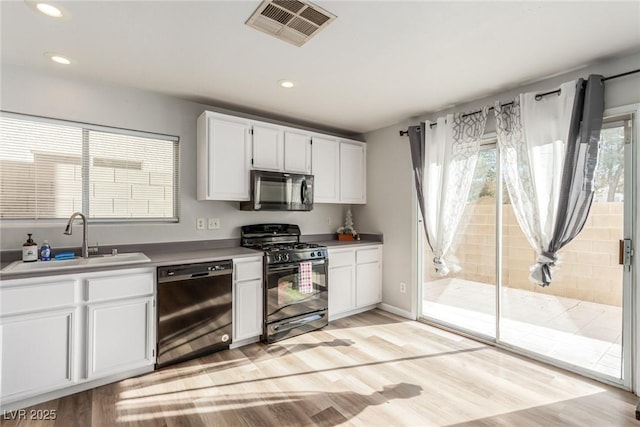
{"x": 56, "y": 57}
{"x": 49, "y": 10}
{"x": 288, "y": 84}
{"x": 60, "y": 59}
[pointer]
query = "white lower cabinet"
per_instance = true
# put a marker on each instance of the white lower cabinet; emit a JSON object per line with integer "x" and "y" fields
{"x": 247, "y": 299}
{"x": 355, "y": 279}
{"x": 120, "y": 322}
{"x": 37, "y": 352}
{"x": 119, "y": 336}
{"x": 63, "y": 332}
{"x": 341, "y": 281}
{"x": 368, "y": 284}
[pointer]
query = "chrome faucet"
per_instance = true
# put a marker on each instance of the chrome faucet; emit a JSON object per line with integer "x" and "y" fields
{"x": 68, "y": 231}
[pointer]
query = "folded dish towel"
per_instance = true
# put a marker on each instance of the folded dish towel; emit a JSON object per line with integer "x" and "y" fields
{"x": 305, "y": 282}
{"x": 65, "y": 255}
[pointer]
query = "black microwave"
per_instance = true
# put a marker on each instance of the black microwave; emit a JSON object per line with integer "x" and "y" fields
{"x": 279, "y": 191}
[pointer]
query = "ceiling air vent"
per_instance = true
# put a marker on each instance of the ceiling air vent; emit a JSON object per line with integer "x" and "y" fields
{"x": 294, "y": 21}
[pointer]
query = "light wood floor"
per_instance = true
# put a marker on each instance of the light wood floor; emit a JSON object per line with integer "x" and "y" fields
{"x": 367, "y": 370}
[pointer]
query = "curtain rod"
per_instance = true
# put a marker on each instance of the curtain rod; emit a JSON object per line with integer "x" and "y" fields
{"x": 538, "y": 97}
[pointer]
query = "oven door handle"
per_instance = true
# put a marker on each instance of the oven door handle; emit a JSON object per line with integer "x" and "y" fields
{"x": 292, "y": 265}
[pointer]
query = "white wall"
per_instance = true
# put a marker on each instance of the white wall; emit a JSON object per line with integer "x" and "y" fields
{"x": 390, "y": 195}
{"x": 58, "y": 96}
{"x": 389, "y": 209}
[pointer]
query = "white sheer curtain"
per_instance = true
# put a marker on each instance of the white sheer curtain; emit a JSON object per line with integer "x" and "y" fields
{"x": 548, "y": 151}
{"x": 450, "y": 153}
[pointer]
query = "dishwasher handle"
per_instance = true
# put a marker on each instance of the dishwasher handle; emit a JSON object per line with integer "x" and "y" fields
{"x": 194, "y": 271}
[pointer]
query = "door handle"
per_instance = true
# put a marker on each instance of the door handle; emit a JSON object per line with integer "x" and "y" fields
{"x": 625, "y": 252}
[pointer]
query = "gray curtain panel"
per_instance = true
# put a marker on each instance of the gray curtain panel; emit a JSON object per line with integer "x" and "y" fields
{"x": 581, "y": 159}
{"x": 416, "y": 142}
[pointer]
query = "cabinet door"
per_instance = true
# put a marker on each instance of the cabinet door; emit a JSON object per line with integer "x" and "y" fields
{"x": 352, "y": 173}
{"x": 247, "y": 305}
{"x": 368, "y": 284}
{"x": 228, "y": 160}
{"x": 297, "y": 153}
{"x": 37, "y": 352}
{"x": 342, "y": 290}
{"x": 119, "y": 336}
{"x": 325, "y": 166}
{"x": 267, "y": 148}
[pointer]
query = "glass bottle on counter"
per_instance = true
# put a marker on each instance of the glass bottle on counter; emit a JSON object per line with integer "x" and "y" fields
{"x": 30, "y": 250}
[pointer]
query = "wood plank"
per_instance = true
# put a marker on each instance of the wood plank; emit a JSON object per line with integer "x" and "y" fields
{"x": 370, "y": 369}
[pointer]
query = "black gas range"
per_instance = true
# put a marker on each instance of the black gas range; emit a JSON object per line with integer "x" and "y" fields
{"x": 295, "y": 280}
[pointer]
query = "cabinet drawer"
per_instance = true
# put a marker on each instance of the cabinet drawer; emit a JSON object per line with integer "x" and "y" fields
{"x": 35, "y": 297}
{"x": 124, "y": 286}
{"x": 340, "y": 258}
{"x": 367, "y": 255}
{"x": 248, "y": 270}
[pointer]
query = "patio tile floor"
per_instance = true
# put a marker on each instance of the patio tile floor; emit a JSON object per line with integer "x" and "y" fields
{"x": 582, "y": 333}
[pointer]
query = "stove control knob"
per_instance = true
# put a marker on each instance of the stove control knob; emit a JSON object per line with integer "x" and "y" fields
{"x": 285, "y": 257}
{"x": 313, "y": 254}
{"x": 278, "y": 257}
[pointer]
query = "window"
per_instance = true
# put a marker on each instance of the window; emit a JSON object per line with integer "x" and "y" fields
{"x": 52, "y": 168}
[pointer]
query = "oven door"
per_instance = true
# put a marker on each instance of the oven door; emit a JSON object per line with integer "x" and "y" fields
{"x": 295, "y": 289}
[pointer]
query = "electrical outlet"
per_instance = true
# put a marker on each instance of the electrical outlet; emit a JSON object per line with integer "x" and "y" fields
{"x": 403, "y": 287}
{"x": 200, "y": 223}
{"x": 214, "y": 223}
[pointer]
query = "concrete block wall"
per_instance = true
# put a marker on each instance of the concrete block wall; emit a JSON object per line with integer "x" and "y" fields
{"x": 587, "y": 269}
{"x": 134, "y": 193}
{"x": 113, "y": 191}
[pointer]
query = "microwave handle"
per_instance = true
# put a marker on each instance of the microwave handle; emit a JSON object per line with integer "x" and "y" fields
{"x": 303, "y": 192}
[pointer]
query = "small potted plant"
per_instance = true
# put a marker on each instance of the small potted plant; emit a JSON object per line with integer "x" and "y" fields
{"x": 347, "y": 232}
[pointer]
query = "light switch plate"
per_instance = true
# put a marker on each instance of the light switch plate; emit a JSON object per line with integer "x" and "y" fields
{"x": 214, "y": 223}
{"x": 200, "y": 223}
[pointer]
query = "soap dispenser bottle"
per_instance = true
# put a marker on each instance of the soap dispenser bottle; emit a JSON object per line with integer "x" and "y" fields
{"x": 30, "y": 250}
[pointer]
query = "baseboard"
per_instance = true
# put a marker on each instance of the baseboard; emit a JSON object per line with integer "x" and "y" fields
{"x": 333, "y": 317}
{"x": 243, "y": 342}
{"x": 397, "y": 311}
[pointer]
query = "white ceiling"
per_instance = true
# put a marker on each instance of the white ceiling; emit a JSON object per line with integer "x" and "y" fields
{"x": 379, "y": 63}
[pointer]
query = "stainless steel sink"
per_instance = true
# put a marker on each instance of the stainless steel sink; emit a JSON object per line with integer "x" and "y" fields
{"x": 125, "y": 258}
{"x": 77, "y": 263}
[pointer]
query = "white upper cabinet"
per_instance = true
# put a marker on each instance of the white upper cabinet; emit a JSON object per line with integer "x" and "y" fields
{"x": 267, "y": 148}
{"x": 353, "y": 172}
{"x": 297, "y": 152}
{"x": 325, "y": 167}
{"x": 224, "y": 157}
{"x": 229, "y": 147}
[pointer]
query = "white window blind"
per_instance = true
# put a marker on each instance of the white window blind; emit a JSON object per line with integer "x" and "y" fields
{"x": 52, "y": 168}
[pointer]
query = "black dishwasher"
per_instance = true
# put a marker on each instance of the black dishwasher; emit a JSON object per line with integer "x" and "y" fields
{"x": 194, "y": 310}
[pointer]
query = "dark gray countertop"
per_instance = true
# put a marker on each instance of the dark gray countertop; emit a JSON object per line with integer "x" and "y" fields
{"x": 157, "y": 260}
{"x": 348, "y": 243}
{"x": 179, "y": 253}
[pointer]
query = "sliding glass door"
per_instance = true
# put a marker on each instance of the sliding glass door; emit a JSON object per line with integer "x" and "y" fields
{"x": 467, "y": 298}
{"x": 582, "y": 320}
